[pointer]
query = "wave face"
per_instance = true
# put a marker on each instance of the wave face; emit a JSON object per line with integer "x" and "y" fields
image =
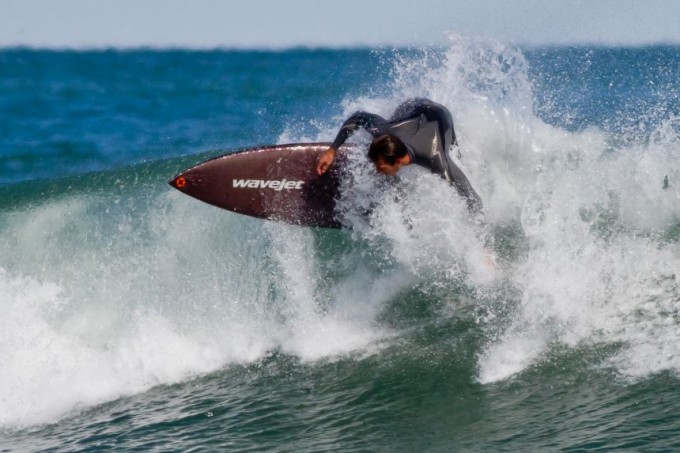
{"x": 133, "y": 315}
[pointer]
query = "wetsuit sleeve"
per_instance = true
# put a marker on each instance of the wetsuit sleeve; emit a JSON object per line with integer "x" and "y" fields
{"x": 358, "y": 120}
{"x": 464, "y": 188}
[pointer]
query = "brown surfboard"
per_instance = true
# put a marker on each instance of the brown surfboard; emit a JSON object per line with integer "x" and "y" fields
{"x": 272, "y": 182}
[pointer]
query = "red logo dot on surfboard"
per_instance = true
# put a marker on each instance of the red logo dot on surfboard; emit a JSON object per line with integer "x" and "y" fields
{"x": 180, "y": 182}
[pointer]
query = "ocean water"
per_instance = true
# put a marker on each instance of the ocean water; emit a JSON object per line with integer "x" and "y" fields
{"x": 134, "y": 318}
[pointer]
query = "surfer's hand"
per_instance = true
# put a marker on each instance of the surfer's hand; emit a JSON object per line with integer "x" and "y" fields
{"x": 324, "y": 161}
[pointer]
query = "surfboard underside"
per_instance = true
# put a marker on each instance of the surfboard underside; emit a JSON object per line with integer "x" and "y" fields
{"x": 273, "y": 182}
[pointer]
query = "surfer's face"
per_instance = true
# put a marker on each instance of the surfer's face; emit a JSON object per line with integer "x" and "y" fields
{"x": 384, "y": 167}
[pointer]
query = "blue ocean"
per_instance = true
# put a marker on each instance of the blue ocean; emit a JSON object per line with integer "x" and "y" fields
{"x": 135, "y": 318}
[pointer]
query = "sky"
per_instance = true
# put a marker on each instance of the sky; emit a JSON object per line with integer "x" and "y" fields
{"x": 325, "y": 23}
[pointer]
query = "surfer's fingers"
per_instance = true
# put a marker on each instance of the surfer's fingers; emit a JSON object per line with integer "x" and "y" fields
{"x": 324, "y": 161}
{"x": 321, "y": 167}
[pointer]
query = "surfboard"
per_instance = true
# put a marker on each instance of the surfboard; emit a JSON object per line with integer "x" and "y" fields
{"x": 271, "y": 182}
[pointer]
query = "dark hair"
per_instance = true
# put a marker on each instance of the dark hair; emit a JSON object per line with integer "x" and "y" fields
{"x": 387, "y": 147}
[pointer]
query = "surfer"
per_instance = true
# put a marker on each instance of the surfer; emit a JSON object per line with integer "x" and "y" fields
{"x": 419, "y": 132}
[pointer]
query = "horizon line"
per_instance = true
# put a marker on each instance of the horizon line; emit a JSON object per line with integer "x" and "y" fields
{"x": 312, "y": 47}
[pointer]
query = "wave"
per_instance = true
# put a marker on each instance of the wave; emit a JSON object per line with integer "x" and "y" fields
{"x": 113, "y": 283}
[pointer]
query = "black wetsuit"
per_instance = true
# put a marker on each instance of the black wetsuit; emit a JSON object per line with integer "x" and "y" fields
{"x": 426, "y": 128}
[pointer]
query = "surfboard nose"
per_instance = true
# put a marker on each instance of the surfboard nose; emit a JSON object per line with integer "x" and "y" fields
{"x": 178, "y": 182}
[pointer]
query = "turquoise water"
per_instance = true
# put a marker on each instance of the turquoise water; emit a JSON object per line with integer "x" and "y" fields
{"x": 134, "y": 318}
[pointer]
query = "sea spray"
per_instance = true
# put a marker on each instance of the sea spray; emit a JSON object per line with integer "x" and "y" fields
{"x": 592, "y": 211}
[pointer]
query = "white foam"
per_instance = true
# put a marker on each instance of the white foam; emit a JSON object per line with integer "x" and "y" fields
{"x": 55, "y": 360}
{"x": 314, "y": 329}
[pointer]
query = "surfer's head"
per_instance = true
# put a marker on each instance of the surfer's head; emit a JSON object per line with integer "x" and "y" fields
{"x": 388, "y": 153}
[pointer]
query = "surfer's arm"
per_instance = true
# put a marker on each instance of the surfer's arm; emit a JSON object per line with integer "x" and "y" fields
{"x": 359, "y": 120}
{"x": 462, "y": 185}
